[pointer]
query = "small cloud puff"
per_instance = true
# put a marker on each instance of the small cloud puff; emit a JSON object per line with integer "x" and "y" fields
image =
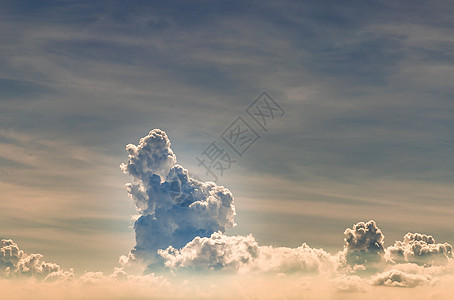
{"x": 396, "y": 278}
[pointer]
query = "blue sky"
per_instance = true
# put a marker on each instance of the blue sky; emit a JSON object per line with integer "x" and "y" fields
{"x": 367, "y": 134}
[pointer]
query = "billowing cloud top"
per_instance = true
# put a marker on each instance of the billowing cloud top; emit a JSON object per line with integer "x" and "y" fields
{"x": 365, "y": 237}
{"x": 363, "y": 244}
{"x": 152, "y": 156}
{"x": 10, "y": 254}
{"x": 174, "y": 208}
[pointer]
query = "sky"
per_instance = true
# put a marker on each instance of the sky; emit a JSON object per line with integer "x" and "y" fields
{"x": 360, "y": 128}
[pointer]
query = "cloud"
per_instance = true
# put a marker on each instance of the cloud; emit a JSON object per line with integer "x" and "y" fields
{"x": 363, "y": 244}
{"x": 15, "y": 263}
{"x": 243, "y": 254}
{"x": 33, "y": 266}
{"x": 152, "y": 156}
{"x": 173, "y": 207}
{"x": 213, "y": 253}
{"x": 396, "y": 278}
{"x": 419, "y": 249}
{"x": 45, "y": 280}
{"x": 295, "y": 260}
{"x": 10, "y": 254}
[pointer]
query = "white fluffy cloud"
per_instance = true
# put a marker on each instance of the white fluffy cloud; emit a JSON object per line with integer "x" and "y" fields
{"x": 15, "y": 263}
{"x": 10, "y": 254}
{"x": 216, "y": 252}
{"x": 152, "y": 156}
{"x": 292, "y": 260}
{"x": 243, "y": 254}
{"x": 43, "y": 280}
{"x": 174, "y": 208}
{"x": 419, "y": 249}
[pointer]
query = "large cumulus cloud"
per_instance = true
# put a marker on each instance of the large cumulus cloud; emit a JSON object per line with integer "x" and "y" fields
{"x": 184, "y": 220}
{"x": 173, "y": 207}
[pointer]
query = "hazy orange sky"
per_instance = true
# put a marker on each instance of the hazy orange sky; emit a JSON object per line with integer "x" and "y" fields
{"x": 360, "y": 128}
